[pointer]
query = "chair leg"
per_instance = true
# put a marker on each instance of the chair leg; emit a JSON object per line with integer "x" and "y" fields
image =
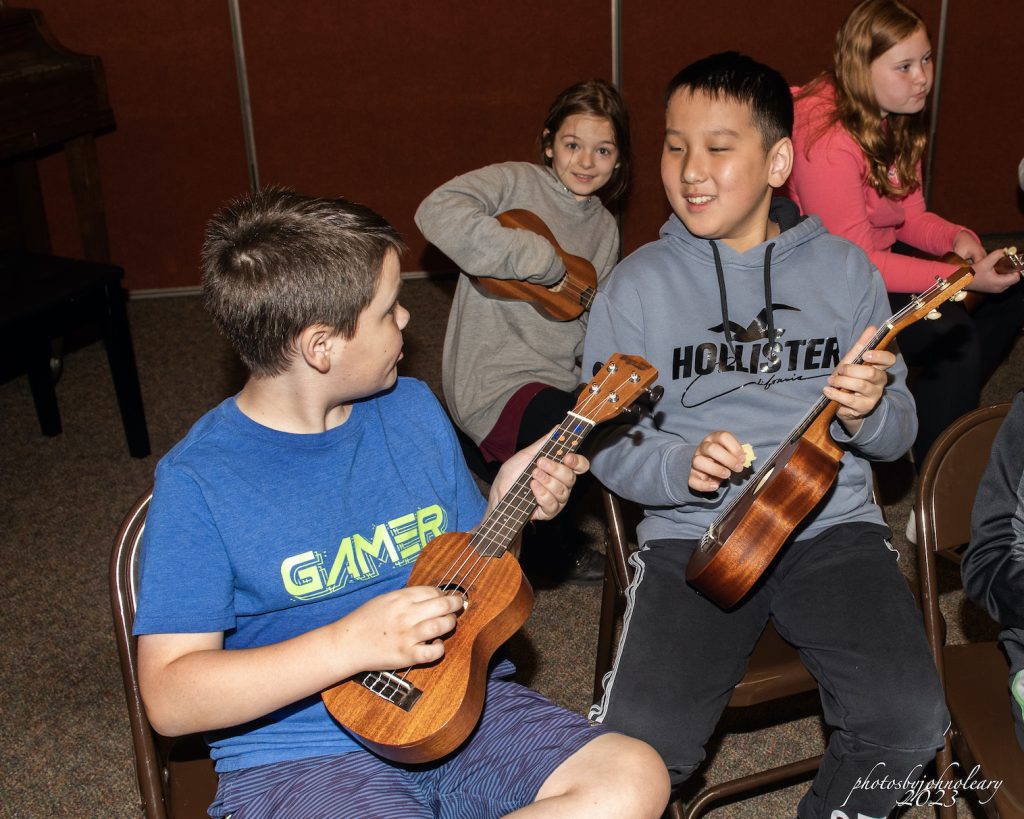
{"x": 606, "y": 628}
{"x": 944, "y": 762}
{"x": 40, "y": 379}
{"x": 747, "y": 784}
{"x": 121, "y": 356}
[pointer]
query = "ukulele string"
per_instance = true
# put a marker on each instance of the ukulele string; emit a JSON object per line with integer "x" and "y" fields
{"x": 880, "y": 334}
{"x": 498, "y": 518}
{"x": 583, "y": 294}
{"x": 565, "y": 440}
{"x": 514, "y": 510}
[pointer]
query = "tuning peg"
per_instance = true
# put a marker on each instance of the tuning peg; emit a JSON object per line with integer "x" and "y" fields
{"x": 643, "y": 405}
{"x": 934, "y": 314}
{"x": 631, "y": 415}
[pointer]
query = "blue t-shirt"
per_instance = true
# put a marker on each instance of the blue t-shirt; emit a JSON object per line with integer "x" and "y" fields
{"x": 265, "y": 535}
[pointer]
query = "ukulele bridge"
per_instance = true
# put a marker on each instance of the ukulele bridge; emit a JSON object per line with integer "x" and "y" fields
{"x": 390, "y": 687}
{"x": 710, "y": 539}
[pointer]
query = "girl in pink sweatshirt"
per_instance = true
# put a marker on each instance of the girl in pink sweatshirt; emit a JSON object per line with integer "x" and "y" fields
{"x": 859, "y": 135}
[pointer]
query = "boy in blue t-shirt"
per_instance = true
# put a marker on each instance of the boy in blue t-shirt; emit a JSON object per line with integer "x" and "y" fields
{"x": 282, "y": 532}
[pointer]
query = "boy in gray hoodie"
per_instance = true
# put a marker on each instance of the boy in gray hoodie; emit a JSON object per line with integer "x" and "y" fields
{"x": 751, "y": 313}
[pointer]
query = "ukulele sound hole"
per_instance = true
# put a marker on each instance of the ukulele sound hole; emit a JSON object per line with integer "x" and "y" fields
{"x": 455, "y": 588}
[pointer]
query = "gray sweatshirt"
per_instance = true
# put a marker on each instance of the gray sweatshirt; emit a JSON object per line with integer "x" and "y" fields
{"x": 493, "y": 347}
{"x": 664, "y": 302}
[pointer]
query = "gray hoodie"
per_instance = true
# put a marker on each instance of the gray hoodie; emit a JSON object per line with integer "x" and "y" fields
{"x": 665, "y": 303}
{"x": 493, "y": 347}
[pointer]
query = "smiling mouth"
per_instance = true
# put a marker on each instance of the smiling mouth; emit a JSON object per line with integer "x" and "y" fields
{"x": 698, "y": 200}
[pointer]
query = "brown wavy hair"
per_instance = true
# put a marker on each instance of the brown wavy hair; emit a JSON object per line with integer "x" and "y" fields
{"x": 595, "y": 98}
{"x": 898, "y": 140}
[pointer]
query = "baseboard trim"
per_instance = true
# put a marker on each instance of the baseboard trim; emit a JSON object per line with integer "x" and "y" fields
{"x": 195, "y": 290}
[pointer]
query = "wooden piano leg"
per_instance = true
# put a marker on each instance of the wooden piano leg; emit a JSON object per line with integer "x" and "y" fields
{"x": 84, "y": 171}
{"x": 121, "y": 355}
{"x": 40, "y": 379}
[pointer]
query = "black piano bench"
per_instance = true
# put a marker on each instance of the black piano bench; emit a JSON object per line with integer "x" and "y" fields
{"x": 46, "y": 297}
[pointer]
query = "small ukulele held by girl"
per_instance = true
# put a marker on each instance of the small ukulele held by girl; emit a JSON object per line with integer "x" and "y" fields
{"x": 509, "y": 371}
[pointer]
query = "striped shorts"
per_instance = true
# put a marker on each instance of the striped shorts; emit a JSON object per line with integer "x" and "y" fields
{"x": 521, "y": 739}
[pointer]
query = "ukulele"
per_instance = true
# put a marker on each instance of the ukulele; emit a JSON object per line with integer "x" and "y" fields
{"x": 574, "y": 294}
{"x": 744, "y": 539}
{"x": 421, "y": 713}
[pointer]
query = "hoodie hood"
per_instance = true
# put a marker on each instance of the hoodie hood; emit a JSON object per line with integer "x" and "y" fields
{"x": 787, "y": 216}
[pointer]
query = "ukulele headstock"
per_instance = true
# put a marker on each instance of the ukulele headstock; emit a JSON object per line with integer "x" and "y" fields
{"x": 616, "y": 385}
{"x": 942, "y": 291}
{"x": 1012, "y": 262}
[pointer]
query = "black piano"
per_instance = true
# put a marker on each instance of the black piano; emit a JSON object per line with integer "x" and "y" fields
{"x": 53, "y": 100}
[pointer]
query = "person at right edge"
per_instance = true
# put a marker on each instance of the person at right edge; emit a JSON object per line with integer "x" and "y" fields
{"x": 746, "y": 309}
{"x": 993, "y": 565}
{"x": 859, "y": 134}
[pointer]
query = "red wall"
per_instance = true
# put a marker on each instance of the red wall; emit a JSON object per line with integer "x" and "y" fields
{"x": 177, "y": 151}
{"x": 791, "y": 35}
{"x": 381, "y": 102}
{"x": 980, "y": 136}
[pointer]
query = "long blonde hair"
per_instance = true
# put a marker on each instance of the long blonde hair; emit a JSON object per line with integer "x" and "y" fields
{"x": 898, "y": 140}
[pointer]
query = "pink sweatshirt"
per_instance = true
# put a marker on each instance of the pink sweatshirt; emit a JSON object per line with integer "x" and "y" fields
{"x": 828, "y": 180}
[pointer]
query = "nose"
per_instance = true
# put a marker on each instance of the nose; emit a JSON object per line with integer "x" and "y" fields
{"x": 403, "y": 317}
{"x": 586, "y": 159}
{"x": 692, "y": 172}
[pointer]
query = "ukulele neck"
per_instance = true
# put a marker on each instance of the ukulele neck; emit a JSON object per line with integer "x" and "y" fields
{"x": 497, "y": 531}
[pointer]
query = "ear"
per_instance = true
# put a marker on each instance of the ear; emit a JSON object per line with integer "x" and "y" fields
{"x": 780, "y": 162}
{"x": 315, "y": 345}
{"x": 549, "y": 152}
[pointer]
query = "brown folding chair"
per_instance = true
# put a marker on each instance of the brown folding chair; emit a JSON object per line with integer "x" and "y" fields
{"x": 175, "y": 775}
{"x": 774, "y": 671}
{"x": 974, "y": 675}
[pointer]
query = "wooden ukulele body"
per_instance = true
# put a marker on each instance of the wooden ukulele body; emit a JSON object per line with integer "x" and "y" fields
{"x": 739, "y": 546}
{"x": 730, "y": 559}
{"x": 574, "y": 295}
{"x": 498, "y": 601}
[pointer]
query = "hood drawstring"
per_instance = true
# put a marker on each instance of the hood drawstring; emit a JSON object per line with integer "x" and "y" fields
{"x": 772, "y": 348}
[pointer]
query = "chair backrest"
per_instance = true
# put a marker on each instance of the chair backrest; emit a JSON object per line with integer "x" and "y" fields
{"x": 947, "y": 485}
{"x": 175, "y": 776}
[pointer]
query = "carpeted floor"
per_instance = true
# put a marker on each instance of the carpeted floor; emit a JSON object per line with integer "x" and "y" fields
{"x": 64, "y": 731}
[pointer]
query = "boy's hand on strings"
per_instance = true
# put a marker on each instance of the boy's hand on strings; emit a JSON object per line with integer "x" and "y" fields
{"x": 857, "y": 388}
{"x": 398, "y": 629}
{"x": 551, "y": 482}
{"x": 718, "y": 456}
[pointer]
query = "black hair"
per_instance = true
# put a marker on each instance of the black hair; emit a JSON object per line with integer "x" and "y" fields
{"x": 738, "y": 77}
